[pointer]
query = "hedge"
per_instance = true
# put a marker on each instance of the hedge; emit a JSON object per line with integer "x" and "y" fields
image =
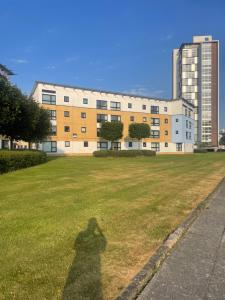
{"x": 200, "y": 151}
{"x": 14, "y": 160}
{"x": 123, "y": 153}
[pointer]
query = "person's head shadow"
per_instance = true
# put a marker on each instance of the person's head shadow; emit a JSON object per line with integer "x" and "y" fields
{"x": 84, "y": 278}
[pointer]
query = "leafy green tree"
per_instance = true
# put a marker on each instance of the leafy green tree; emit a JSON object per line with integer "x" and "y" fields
{"x": 139, "y": 131}
{"x": 35, "y": 125}
{"x": 10, "y": 110}
{"x": 222, "y": 140}
{"x": 111, "y": 131}
{"x": 21, "y": 118}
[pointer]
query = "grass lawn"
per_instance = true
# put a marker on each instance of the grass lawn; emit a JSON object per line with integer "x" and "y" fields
{"x": 82, "y": 227}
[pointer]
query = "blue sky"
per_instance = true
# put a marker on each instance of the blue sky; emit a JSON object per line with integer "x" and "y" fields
{"x": 120, "y": 45}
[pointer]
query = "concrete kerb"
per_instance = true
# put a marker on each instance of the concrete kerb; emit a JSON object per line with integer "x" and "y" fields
{"x": 139, "y": 282}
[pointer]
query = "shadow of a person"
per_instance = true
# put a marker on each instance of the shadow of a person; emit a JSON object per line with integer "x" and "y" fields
{"x": 84, "y": 278}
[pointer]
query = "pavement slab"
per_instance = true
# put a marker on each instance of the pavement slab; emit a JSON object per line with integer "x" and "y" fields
{"x": 196, "y": 267}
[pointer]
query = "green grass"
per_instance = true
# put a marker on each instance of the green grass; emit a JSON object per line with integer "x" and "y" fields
{"x": 47, "y": 250}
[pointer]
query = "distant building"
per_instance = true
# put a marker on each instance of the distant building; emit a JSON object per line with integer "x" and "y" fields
{"x": 5, "y": 72}
{"x": 77, "y": 114}
{"x": 196, "y": 79}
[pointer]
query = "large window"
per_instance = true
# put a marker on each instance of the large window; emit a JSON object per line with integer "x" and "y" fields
{"x": 154, "y": 109}
{"x": 50, "y": 146}
{"x": 179, "y": 146}
{"x": 83, "y": 115}
{"x": 102, "y": 145}
{"x": 115, "y": 105}
{"x": 48, "y": 99}
{"x": 52, "y": 114}
{"x": 85, "y": 100}
{"x": 102, "y": 118}
{"x": 116, "y": 145}
{"x": 155, "y": 134}
{"x": 155, "y": 121}
{"x": 115, "y": 118}
{"x": 101, "y": 104}
{"x": 53, "y": 130}
{"x": 155, "y": 147}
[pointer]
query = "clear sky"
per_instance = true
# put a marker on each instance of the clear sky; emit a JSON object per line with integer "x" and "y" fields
{"x": 120, "y": 45}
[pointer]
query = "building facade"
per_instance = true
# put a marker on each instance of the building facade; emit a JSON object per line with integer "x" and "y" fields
{"x": 77, "y": 113}
{"x": 196, "y": 79}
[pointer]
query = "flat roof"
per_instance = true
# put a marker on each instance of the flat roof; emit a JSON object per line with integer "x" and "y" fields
{"x": 105, "y": 92}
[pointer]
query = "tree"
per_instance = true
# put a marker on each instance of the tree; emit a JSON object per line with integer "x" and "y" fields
{"x": 10, "y": 110}
{"x": 111, "y": 131}
{"x": 139, "y": 131}
{"x": 35, "y": 125}
{"x": 21, "y": 118}
{"x": 222, "y": 140}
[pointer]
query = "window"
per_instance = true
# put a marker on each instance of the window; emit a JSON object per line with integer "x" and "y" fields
{"x": 187, "y": 135}
{"x": 165, "y": 108}
{"x": 52, "y": 114}
{"x": 177, "y": 132}
{"x": 166, "y": 144}
{"x": 85, "y": 144}
{"x": 66, "y": 113}
{"x": 115, "y": 105}
{"x": 83, "y": 115}
{"x": 189, "y": 125}
{"x": 155, "y": 121}
{"x": 116, "y": 145}
{"x": 66, "y": 99}
{"x": 83, "y": 129}
{"x": 5, "y": 144}
{"x": 166, "y": 132}
{"x": 144, "y": 107}
{"x": 67, "y": 128}
{"x": 155, "y": 147}
{"x": 129, "y": 105}
{"x": 189, "y": 113}
{"x": 144, "y": 119}
{"x": 85, "y": 100}
{"x": 155, "y": 134}
{"x": 98, "y": 132}
{"x": 132, "y": 118}
{"x": 67, "y": 144}
{"x": 186, "y": 123}
{"x": 53, "y": 130}
{"x": 130, "y": 144}
{"x": 144, "y": 144}
{"x": 179, "y": 146}
{"x": 186, "y": 112}
{"x": 166, "y": 121}
{"x": 49, "y": 146}
{"x": 101, "y": 118}
{"x": 48, "y": 99}
{"x": 115, "y": 118}
{"x": 48, "y": 91}
{"x": 177, "y": 120}
{"x": 101, "y": 104}
{"x": 154, "y": 109}
{"x": 102, "y": 145}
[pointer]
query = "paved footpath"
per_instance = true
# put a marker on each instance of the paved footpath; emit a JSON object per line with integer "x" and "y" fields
{"x": 196, "y": 267}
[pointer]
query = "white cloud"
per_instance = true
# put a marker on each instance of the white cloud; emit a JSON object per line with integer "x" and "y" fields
{"x": 50, "y": 67}
{"x": 71, "y": 59}
{"x": 144, "y": 91}
{"x": 19, "y": 61}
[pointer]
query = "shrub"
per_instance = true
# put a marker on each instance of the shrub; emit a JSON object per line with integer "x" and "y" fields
{"x": 200, "y": 150}
{"x": 221, "y": 150}
{"x": 123, "y": 153}
{"x": 14, "y": 160}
